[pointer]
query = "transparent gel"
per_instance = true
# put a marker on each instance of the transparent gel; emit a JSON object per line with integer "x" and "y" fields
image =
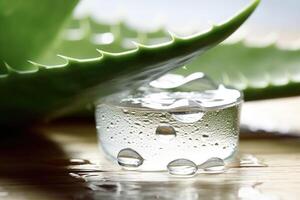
{"x": 173, "y": 118}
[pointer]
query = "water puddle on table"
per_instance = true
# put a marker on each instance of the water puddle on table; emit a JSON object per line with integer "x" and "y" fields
{"x": 124, "y": 184}
{"x": 247, "y": 160}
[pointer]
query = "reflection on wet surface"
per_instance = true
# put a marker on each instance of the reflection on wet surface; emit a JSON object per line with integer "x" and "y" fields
{"x": 103, "y": 187}
{"x": 248, "y": 160}
{"x": 65, "y": 163}
{"x": 160, "y": 185}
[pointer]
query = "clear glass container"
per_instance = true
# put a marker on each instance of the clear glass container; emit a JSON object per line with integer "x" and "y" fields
{"x": 173, "y": 118}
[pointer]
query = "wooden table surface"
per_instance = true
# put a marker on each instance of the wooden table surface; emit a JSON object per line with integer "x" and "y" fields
{"x": 63, "y": 162}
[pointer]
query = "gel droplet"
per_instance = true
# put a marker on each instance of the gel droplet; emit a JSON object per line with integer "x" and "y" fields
{"x": 213, "y": 165}
{"x": 182, "y": 167}
{"x": 196, "y": 80}
{"x": 165, "y": 131}
{"x": 188, "y": 117}
{"x": 129, "y": 158}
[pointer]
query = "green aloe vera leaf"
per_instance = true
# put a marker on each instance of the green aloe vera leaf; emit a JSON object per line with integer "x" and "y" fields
{"x": 87, "y": 31}
{"x": 261, "y": 72}
{"x": 87, "y": 28}
{"x": 30, "y": 95}
{"x": 29, "y": 27}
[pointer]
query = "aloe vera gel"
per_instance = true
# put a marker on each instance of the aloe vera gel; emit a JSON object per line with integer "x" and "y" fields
{"x": 175, "y": 123}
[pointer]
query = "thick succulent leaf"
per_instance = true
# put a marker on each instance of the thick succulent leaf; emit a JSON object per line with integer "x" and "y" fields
{"x": 31, "y": 94}
{"x": 28, "y": 28}
{"x": 89, "y": 35}
{"x": 261, "y": 72}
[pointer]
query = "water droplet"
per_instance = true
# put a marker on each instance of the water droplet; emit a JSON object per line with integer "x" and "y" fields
{"x": 77, "y": 176}
{"x": 163, "y": 121}
{"x": 165, "y": 131}
{"x": 162, "y": 115}
{"x": 213, "y": 165}
{"x": 103, "y": 187}
{"x": 188, "y": 117}
{"x": 78, "y": 161}
{"x": 129, "y": 158}
{"x": 182, "y": 167}
{"x": 249, "y": 160}
{"x": 3, "y": 193}
{"x": 205, "y": 136}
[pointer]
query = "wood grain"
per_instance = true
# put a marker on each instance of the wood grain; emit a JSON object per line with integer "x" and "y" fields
{"x": 64, "y": 162}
